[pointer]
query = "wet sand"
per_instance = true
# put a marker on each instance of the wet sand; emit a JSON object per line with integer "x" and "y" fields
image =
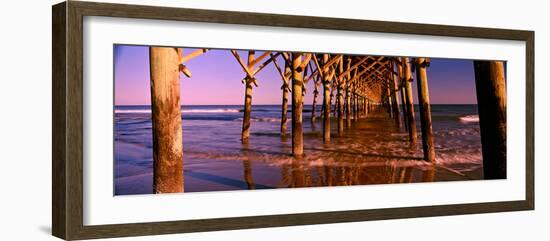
{"x": 372, "y": 151}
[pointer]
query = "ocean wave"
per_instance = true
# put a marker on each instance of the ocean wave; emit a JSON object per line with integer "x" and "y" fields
{"x": 138, "y": 111}
{"x": 210, "y": 111}
{"x": 264, "y": 119}
{"x": 256, "y": 110}
{"x": 142, "y": 111}
{"x": 469, "y": 118}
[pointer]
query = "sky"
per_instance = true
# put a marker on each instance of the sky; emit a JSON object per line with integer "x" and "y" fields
{"x": 216, "y": 80}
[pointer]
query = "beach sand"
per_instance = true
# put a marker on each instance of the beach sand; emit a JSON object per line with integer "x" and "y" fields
{"x": 372, "y": 151}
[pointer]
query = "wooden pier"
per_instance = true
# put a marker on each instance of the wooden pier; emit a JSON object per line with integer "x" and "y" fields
{"x": 351, "y": 87}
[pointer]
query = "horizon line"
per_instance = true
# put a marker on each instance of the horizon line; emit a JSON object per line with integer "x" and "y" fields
{"x": 280, "y": 104}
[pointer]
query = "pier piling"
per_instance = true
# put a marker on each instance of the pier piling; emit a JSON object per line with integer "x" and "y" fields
{"x": 409, "y": 98}
{"x": 395, "y": 94}
{"x": 491, "y": 102}
{"x": 425, "y": 110}
{"x": 284, "y": 102}
{"x": 166, "y": 120}
{"x": 297, "y": 106}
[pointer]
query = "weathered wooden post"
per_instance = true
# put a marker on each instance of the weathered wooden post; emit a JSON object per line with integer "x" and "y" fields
{"x": 284, "y": 106}
{"x": 353, "y": 110}
{"x": 315, "y": 94}
{"x": 409, "y": 97}
{"x": 340, "y": 109}
{"x": 334, "y": 86}
{"x": 369, "y": 105}
{"x": 389, "y": 99}
{"x": 425, "y": 110}
{"x": 360, "y": 105}
{"x": 347, "y": 89}
{"x": 348, "y": 104}
{"x": 395, "y": 92}
{"x": 166, "y": 120}
{"x": 285, "y": 76}
{"x": 361, "y": 110}
{"x": 297, "y": 105}
{"x": 326, "y": 102}
{"x": 491, "y": 102}
{"x": 340, "y": 98}
{"x": 401, "y": 85}
{"x": 247, "y": 166}
{"x": 355, "y": 106}
{"x": 365, "y": 106}
{"x": 247, "y": 102}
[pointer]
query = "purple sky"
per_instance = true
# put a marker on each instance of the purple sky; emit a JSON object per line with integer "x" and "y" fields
{"x": 217, "y": 76}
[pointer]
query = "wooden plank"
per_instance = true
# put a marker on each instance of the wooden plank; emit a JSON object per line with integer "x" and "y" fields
{"x": 59, "y": 121}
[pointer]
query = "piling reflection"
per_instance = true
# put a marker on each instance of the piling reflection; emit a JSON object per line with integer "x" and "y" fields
{"x": 299, "y": 174}
{"x": 371, "y": 152}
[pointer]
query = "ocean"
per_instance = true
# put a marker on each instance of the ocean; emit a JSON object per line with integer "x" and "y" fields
{"x": 372, "y": 151}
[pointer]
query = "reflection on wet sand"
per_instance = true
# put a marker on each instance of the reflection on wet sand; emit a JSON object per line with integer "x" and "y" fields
{"x": 299, "y": 174}
{"x": 329, "y": 165}
{"x": 372, "y": 151}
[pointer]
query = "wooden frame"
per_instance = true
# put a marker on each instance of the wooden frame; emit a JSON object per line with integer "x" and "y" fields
{"x": 67, "y": 123}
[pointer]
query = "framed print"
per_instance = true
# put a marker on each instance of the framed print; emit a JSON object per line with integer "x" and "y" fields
{"x": 218, "y": 120}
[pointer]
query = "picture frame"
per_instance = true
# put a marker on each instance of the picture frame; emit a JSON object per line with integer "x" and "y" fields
{"x": 67, "y": 119}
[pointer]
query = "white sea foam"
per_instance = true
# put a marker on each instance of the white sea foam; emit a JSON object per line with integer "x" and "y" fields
{"x": 469, "y": 118}
{"x": 182, "y": 111}
{"x": 210, "y": 111}
{"x": 132, "y": 111}
{"x": 264, "y": 119}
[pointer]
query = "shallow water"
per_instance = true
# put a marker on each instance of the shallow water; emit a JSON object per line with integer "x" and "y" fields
{"x": 372, "y": 151}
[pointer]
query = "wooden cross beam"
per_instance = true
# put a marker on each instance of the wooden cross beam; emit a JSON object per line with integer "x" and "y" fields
{"x": 370, "y": 66}
{"x": 284, "y": 76}
{"x": 376, "y": 61}
{"x": 332, "y": 61}
{"x": 249, "y": 68}
{"x": 265, "y": 63}
{"x": 305, "y": 62}
{"x": 318, "y": 66}
{"x": 182, "y": 59}
{"x": 356, "y": 65}
{"x": 192, "y": 55}
{"x": 243, "y": 65}
{"x": 257, "y": 60}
